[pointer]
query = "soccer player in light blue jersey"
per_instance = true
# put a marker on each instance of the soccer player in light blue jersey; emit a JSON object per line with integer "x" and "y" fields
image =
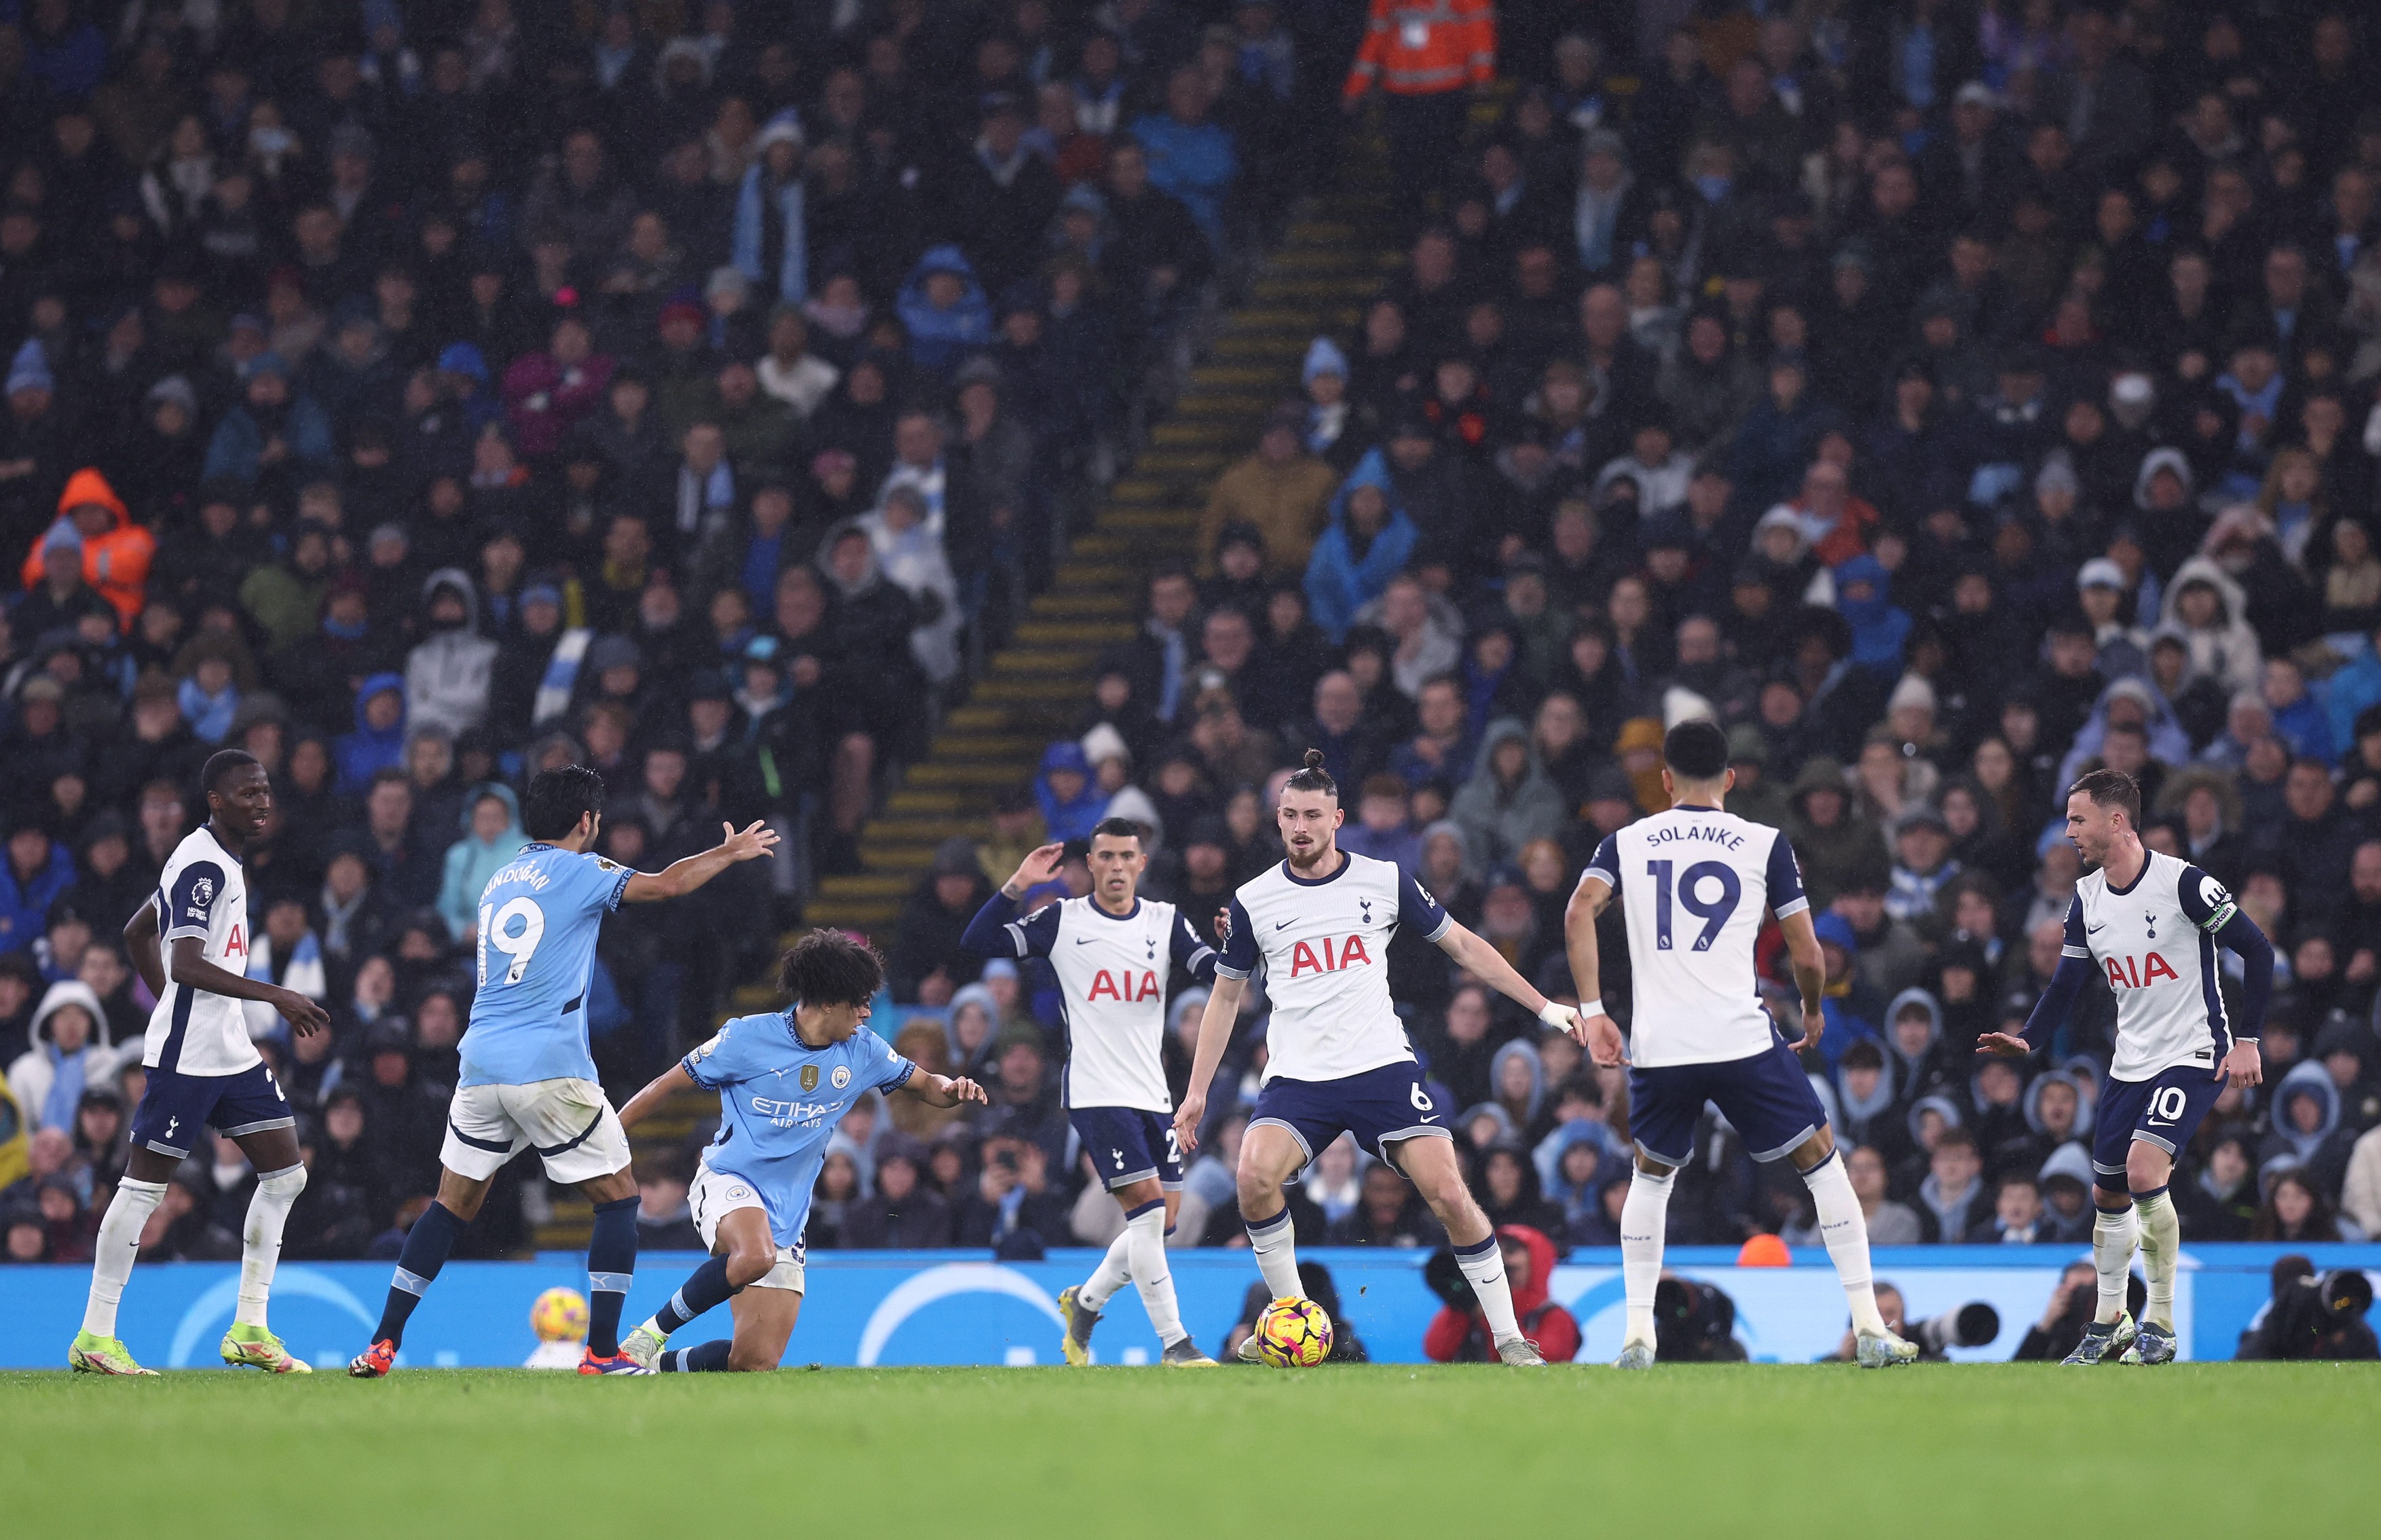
{"x": 784, "y": 1080}
{"x": 528, "y": 1081}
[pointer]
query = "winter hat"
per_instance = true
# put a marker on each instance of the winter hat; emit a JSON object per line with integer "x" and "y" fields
{"x": 1324, "y": 357}
{"x": 2100, "y": 573}
{"x": 30, "y": 371}
{"x": 614, "y": 652}
{"x": 1103, "y": 743}
{"x": 786, "y": 128}
{"x": 177, "y": 389}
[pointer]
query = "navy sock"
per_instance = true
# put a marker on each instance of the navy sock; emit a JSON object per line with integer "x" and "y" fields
{"x": 611, "y": 1267}
{"x": 426, "y": 1245}
{"x": 704, "y": 1288}
{"x": 710, "y": 1358}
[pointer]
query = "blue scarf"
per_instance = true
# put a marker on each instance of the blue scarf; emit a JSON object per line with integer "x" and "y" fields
{"x": 793, "y": 264}
{"x": 65, "y": 1085}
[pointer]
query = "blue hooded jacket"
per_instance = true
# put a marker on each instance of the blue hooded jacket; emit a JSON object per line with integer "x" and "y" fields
{"x": 1878, "y": 629}
{"x": 938, "y": 339}
{"x": 364, "y": 752}
{"x": 1070, "y": 820}
{"x": 1339, "y": 582}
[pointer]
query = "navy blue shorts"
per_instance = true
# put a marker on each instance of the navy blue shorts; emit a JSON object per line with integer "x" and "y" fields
{"x": 1379, "y": 1106}
{"x": 2163, "y": 1112}
{"x": 1767, "y": 1099}
{"x": 175, "y": 1105}
{"x": 1128, "y": 1145}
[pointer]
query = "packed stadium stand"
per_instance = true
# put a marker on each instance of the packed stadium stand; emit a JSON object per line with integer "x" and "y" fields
{"x": 935, "y": 427}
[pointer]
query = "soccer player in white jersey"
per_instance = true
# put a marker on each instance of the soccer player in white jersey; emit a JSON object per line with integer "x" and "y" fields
{"x": 1337, "y": 1056}
{"x": 2151, "y": 922}
{"x": 204, "y": 1070}
{"x": 1693, "y": 882}
{"x": 1112, "y": 952}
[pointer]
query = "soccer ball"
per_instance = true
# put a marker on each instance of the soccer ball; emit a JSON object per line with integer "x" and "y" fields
{"x": 560, "y": 1316}
{"x": 1293, "y": 1334}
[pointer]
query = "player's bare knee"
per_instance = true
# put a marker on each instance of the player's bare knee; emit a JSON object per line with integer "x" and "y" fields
{"x": 748, "y": 1267}
{"x": 2147, "y": 1167}
{"x": 1812, "y": 1153}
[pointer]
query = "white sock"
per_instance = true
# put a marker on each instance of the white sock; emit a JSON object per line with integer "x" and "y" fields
{"x": 260, "y": 1240}
{"x": 1144, "y": 1238}
{"x": 1845, "y": 1230}
{"x": 1114, "y": 1268}
{"x": 2161, "y": 1252}
{"x": 1644, "y": 1220}
{"x": 1483, "y": 1269}
{"x": 2112, "y": 1252}
{"x": 117, "y": 1245}
{"x": 1276, "y": 1243}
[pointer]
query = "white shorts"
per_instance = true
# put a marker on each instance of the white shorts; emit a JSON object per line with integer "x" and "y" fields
{"x": 716, "y": 1195}
{"x": 570, "y": 1123}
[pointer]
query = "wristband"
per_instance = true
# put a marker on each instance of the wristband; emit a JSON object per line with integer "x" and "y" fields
{"x": 1557, "y": 1015}
{"x": 1591, "y": 1008}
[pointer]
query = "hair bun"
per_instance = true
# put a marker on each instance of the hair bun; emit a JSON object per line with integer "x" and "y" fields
{"x": 1313, "y": 759}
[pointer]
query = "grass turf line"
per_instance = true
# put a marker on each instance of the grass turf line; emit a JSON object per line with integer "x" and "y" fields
{"x": 1769, "y": 1451}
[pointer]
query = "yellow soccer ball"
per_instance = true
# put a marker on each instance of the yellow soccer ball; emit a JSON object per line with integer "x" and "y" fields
{"x": 1294, "y": 1334}
{"x": 559, "y": 1315}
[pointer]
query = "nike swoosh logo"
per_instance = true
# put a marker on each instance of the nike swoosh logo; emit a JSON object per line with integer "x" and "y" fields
{"x": 1085, "y": 940}
{"x": 1281, "y": 925}
{"x": 1432, "y": 1119}
{"x": 2096, "y": 929}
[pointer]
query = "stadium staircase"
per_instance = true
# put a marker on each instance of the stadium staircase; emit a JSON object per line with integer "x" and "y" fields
{"x": 1335, "y": 254}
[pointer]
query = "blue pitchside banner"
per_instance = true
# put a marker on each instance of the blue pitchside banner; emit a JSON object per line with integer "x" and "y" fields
{"x": 958, "y": 1307}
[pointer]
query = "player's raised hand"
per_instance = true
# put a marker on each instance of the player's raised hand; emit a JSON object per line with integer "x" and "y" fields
{"x": 756, "y": 841}
{"x": 1040, "y": 864}
{"x": 1600, "y": 1035}
{"x": 2004, "y": 1045}
{"x": 304, "y": 1016}
{"x": 965, "y": 1090}
{"x": 1188, "y": 1117}
{"x": 2243, "y": 1066}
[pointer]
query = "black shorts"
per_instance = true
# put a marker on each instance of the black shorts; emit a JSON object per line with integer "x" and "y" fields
{"x": 1379, "y": 1106}
{"x": 176, "y": 1104}
{"x": 1128, "y": 1145}
{"x": 1767, "y": 1099}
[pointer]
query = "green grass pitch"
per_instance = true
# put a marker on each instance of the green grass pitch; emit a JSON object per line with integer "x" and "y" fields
{"x": 2016, "y": 1450}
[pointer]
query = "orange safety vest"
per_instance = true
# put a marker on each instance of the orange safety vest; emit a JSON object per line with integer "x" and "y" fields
{"x": 1423, "y": 47}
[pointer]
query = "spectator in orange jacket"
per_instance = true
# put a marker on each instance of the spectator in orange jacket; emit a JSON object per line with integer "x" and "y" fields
{"x": 116, "y": 552}
{"x": 1461, "y": 1335}
{"x": 1422, "y": 53}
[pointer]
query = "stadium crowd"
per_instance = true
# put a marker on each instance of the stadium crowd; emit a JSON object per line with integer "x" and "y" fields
{"x": 1947, "y": 397}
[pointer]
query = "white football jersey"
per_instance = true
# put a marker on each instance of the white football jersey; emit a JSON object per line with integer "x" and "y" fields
{"x": 201, "y": 892}
{"x": 1112, "y": 974}
{"x": 1324, "y": 943}
{"x": 1692, "y": 882}
{"x": 2155, "y": 942}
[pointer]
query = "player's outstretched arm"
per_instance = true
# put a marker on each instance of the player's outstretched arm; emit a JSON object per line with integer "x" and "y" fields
{"x": 1487, "y": 964}
{"x": 2049, "y": 1012}
{"x": 942, "y": 1090}
{"x": 142, "y": 945}
{"x": 192, "y": 971}
{"x": 1215, "y": 1023}
{"x": 988, "y": 932}
{"x": 1596, "y": 1030}
{"x": 681, "y": 877}
{"x": 667, "y": 1084}
{"x": 1809, "y": 974}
